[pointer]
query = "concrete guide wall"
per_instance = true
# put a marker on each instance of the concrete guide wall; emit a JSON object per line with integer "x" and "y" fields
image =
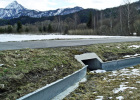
{"x": 50, "y": 91}
{"x": 119, "y": 64}
{"x": 94, "y": 62}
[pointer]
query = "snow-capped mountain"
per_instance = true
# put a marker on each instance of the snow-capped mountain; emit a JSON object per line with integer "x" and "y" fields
{"x": 15, "y": 5}
{"x": 15, "y": 10}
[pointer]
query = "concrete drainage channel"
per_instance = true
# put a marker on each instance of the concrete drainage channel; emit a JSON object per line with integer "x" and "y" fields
{"x": 94, "y": 62}
{"x": 90, "y": 61}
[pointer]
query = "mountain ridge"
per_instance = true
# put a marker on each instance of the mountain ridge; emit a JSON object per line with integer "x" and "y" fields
{"x": 16, "y": 10}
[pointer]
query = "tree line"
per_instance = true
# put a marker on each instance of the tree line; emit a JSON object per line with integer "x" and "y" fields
{"x": 123, "y": 20}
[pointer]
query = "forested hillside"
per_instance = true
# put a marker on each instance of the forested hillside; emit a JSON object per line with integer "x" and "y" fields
{"x": 122, "y": 20}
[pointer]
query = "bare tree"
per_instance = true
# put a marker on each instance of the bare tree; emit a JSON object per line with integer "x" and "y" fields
{"x": 131, "y": 13}
{"x": 121, "y": 24}
{"x": 76, "y": 18}
{"x": 111, "y": 21}
{"x": 128, "y": 14}
{"x": 94, "y": 22}
{"x": 101, "y": 18}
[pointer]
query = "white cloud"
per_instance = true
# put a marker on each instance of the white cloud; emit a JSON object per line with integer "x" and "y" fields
{"x": 31, "y": 4}
{"x": 38, "y": 4}
{"x": 3, "y": 3}
{"x": 98, "y": 4}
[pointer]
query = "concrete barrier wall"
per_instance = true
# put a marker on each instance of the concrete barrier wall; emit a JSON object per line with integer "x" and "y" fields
{"x": 50, "y": 91}
{"x": 119, "y": 64}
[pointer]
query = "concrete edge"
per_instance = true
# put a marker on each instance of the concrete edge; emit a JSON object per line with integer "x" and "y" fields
{"x": 94, "y": 62}
{"x": 54, "y": 83}
{"x": 87, "y": 56}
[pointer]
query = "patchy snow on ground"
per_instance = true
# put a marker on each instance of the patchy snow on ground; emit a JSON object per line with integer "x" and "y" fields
{"x": 114, "y": 73}
{"x": 118, "y": 47}
{"x": 132, "y": 73}
{"x": 127, "y": 56}
{"x": 98, "y": 71}
{"x": 1, "y": 65}
{"x": 110, "y": 97}
{"x": 107, "y": 46}
{"x": 134, "y": 46}
{"x": 27, "y": 37}
{"x": 135, "y": 55}
{"x": 138, "y": 82}
{"x": 126, "y": 72}
{"x": 122, "y": 88}
{"x": 120, "y": 97}
{"x": 99, "y": 98}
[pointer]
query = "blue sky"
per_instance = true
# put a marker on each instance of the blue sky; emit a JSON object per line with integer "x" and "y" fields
{"x": 44, "y": 5}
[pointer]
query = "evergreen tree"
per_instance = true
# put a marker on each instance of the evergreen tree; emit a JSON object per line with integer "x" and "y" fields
{"x": 9, "y": 29}
{"x": 89, "y": 23}
{"x": 44, "y": 29}
{"x": 50, "y": 28}
{"x": 40, "y": 29}
{"x": 27, "y": 30}
{"x": 2, "y": 30}
{"x": 66, "y": 30}
{"x": 19, "y": 26}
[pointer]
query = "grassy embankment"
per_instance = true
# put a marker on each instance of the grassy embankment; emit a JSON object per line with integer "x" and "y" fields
{"x": 123, "y": 84}
{"x": 23, "y": 71}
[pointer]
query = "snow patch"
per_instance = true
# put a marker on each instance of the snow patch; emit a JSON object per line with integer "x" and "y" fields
{"x": 99, "y": 98}
{"x": 128, "y": 56}
{"x": 54, "y": 69}
{"x": 130, "y": 92}
{"x": 107, "y": 46}
{"x": 122, "y": 88}
{"x": 114, "y": 73}
{"x": 98, "y": 71}
{"x": 59, "y": 12}
{"x": 1, "y": 65}
{"x": 126, "y": 72}
{"x": 134, "y": 46}
{"x": 138, "y": 82}
{"x": 120, "y": 97}
{"x": 15, "y": 5}
{"x": 29, "y": 37}
{"x": 110, "y": 97}
{"x": 83, "y": 80}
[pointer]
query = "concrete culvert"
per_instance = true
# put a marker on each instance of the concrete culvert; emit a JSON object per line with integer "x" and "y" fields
{"x": 90, "y": 59}
{"x": 93, "y": 64}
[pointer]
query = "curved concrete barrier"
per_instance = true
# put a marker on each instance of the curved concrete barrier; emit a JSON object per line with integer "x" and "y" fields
{"x": 50, "y": 91}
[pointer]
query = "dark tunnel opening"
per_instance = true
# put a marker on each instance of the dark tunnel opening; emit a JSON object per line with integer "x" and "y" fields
{"x": 93, "y": 64}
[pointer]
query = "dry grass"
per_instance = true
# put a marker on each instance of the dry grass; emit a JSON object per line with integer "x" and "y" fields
{"x": 81, "y": 32}
{"x": 24, "y": 71}
{"x": 104, "y": 84}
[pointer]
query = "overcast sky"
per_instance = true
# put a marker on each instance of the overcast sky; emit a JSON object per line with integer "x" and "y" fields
{"x": 43, "y": 5}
